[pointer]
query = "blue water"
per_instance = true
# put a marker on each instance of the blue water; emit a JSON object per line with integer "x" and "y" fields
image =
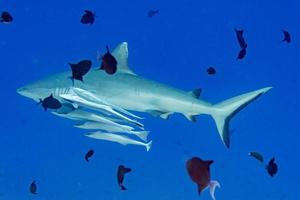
{"x": 174, "y": 47}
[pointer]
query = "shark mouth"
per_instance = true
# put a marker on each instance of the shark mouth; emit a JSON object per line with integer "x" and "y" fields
{"x": 93, "y": 113}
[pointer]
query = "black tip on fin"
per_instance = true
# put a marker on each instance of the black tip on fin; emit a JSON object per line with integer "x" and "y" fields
{"x": 197, "y": 92}
{"x": 123, "y": 187}
{"x": 199, "y": 189}
{"x": 209, "y": 162}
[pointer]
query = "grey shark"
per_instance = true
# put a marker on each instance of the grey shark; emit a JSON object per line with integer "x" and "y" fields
{"x": 131, "y": 92}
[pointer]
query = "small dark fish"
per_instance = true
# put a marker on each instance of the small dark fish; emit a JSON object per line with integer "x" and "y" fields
{"x": 257, "y": 156}
{"x": 6, "y": 18}
{"x": 89, "y": 154}
{"x": 50, "y": 102}
{"x": 199, "y": 172}
{"x": 120, "y": 175}
{"x": 211, "y": 71}
{"x": 152, "y": 13}
{"x": 287, "y": 36}
{"x": 240, "y": 38}
{"x": 88, "y": 17}
{"x": 80, "y": 69}
{"x": 241, "y": 54}
{"x": 33, "y": 187}
{"x": 109, "y": 62}
{"x": 272, "y": 167}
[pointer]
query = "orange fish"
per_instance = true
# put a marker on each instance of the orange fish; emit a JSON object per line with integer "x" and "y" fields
{"x": 199, "y": 172}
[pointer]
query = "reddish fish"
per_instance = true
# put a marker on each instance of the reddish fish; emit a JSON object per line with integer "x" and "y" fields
{"x": 120, "y": 175}
{"x": 199, "y": 172}
{"x": 109, "y": 62}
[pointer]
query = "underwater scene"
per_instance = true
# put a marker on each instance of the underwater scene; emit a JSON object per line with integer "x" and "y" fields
{"x": 164, "y": 100}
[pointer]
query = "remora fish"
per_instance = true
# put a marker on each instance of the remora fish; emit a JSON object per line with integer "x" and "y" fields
{"x": 89, "y": 95}
{"x": 81, "y": 115}
{"x": 92, "y": 101}
{"x": 132, "y": 92}
{"x": 90, "y": 125}
{"x": 118, "y": 138}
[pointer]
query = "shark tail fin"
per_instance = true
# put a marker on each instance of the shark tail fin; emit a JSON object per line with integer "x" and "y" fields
{"x": 223, "y": 112}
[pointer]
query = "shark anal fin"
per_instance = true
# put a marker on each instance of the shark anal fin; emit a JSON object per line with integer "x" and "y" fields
{"x": 157, "y": 113}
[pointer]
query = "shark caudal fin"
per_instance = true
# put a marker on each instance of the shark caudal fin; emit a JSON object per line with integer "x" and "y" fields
{"x": 224, "y": 111}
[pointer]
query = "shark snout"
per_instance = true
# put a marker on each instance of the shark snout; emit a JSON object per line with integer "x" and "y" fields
{"x": 34, "y": 92}
{"x": 24, "y": 91}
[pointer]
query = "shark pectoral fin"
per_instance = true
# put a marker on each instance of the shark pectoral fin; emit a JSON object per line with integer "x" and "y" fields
{"x": 121, "y": 55}
{"x": 196, "y": 93}
{"x": 192, "y": 118}
{"x": 157, "y": 113}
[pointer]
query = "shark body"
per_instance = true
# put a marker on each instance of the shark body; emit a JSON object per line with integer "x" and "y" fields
{"x": 131, "y": 92}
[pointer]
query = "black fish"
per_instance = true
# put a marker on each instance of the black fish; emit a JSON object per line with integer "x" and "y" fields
{"x": 257, "y": 156}
{"x": 50, "y": 102}
{"x": 152, "y": 13}
{"x": 211, "y": 71}
{"x": 120, "y": 175}
{"x": 80, "y": 69}
{"x": 272, "y": 167}
{"x": 287, "y": 36}
{"x": 240, "y": 38}
{"x": 33, "y": 187}
{"x": 6, "y": 18}
{"x": 89, "y": 154}
{"x": 88, "y": 17}
{"x": 109, "y": 62}
{"x": 242, "y": 54}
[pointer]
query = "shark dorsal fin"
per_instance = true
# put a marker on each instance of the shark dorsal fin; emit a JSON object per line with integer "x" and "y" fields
{"x": 121, "y": 55}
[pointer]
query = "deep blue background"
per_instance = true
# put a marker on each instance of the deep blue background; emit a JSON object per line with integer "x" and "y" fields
{"x": 174, "y": 47}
